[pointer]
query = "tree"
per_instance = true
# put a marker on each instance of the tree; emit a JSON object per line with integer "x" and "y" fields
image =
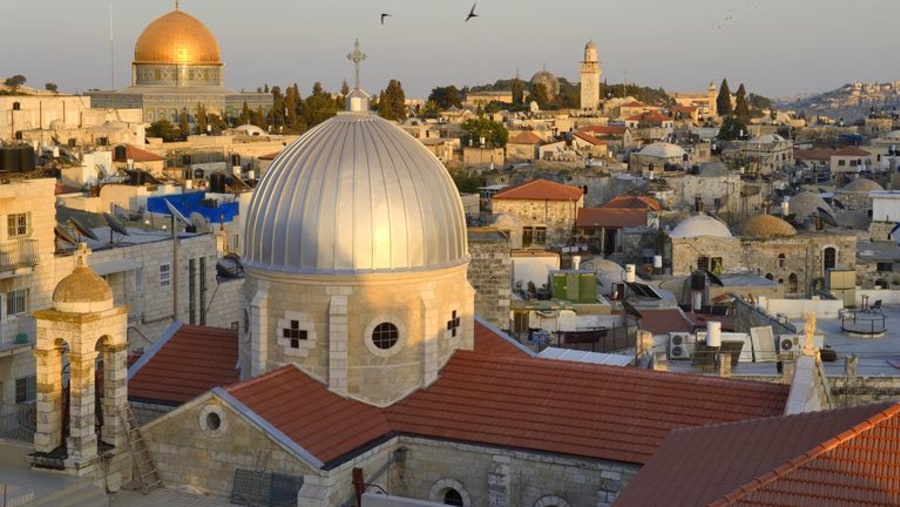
{"x": 392, "y": 102}
{"x": 318, "y": 107}
{"x": 202, "y": 119}
{"x": 741, "y": 108}
{"x": 539, "y": 94}
{"x": 51, "y": 87}
{"x": 164, "y": 129}
{"x": 244, "y": 118}
{"x": 183, "y": 124}
{"x": 446, "y": 97}
{"x": 15, "y": 82}
{"x": 494, "y": 134}
{"x": 732, "y": 128}
{"x": 723, "y": 101}
{"x": 518, "y": 91}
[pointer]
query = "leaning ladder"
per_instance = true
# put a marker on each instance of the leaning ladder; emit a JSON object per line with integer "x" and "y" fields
{"x": 147, "y": 474}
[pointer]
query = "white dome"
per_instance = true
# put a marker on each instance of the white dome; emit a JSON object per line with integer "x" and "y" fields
{"x": 699, "y": 226}
{"x": 356, "y": 194}
{"x": 662, "y": 150}
{"x": 767, "y": 139}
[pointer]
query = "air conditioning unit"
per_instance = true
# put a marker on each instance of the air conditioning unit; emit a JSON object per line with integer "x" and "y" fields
{"x": 788, "y": 344}
{"x": 681, "y": 345}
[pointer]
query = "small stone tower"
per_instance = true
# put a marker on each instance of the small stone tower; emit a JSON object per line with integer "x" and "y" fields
{"x": 82, "y": 323}
{"x": 713, "y": 96}
{"x": 590, "y": 78}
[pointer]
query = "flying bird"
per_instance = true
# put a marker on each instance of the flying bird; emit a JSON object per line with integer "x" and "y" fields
{"x": 384, "y": 15}
{"x": 472, "y": 12}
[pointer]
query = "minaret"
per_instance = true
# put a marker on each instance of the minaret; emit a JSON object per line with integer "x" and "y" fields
{"x": 590, "y": 78}
{"x": 713, "y": 93}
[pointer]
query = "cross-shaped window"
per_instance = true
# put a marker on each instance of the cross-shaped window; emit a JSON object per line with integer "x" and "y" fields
{"x": 295, "y": 334}
{"x": 453, "y": 323}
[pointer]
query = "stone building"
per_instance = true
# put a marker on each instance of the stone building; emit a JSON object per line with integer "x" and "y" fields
{"x": 767, "y": 153}
{"x": 547, "y": 211}
{"x": 705, "y": 102}
{"x": 178, "y": 65}
{"x": 855, "y": 195}
{"x": 490, "y": 273}
{"x": 661, "y": 156}
{"x": 590, "y": 78}
{"x": 365, "y": 366}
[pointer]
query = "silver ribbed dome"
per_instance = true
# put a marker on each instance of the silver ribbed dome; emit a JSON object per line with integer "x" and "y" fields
{"x": 355, "y": 194}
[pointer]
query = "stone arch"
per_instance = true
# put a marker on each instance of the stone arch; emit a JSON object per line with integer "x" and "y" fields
{"x": 792, "y": 283}
{"x": 551, "y": 501}
{"x": 830, "y": 256}
{"x": 441, "y": 487}
{"x": 781, "y": 260}
{"x": 770, "y": 276}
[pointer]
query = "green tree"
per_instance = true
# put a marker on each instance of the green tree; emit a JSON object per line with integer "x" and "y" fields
{"x": 318, "y": 107}
{"x": 184, "y": 126}
{"x": 723, "y": 101}
{"x": 201, "y": 119}
{"x": 15, "y": 82}
{"x": 446, "y": 97}
{"x": 518, "y": 91}
{"x": 392, "y": 102}
{"x": 732, "y": 128}
{"x": 164, "y": 129}
{"x": 741, "y": 108}
{"x": 51, "y": 87}
{"x": 539, "y": 94}
{"x": 494, "y": 134}
{"x": 244, "y": 118}
{"x": 465, "y": 182}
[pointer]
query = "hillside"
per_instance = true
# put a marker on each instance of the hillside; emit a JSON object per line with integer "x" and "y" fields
{"x": 852, "y": 102}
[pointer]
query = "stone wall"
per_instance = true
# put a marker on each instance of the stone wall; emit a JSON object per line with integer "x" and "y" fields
{"x": 499, "y": 477}
{"x": 557, "y": 216}
{"x": 490, "y": 274}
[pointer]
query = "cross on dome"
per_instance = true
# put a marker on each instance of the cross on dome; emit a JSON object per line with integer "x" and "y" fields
{"x": 356, "y": 56}
{"x": 81, "y": 255}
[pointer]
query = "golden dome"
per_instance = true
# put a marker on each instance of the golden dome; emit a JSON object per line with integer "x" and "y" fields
{"x": 177, "y": 38}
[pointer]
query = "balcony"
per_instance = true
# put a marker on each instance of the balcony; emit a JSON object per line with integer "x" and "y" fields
{"x": 17, "y": 334}
{"x": 19, "y": 253}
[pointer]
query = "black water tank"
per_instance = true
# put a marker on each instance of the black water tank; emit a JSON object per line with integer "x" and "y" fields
{"x": 138, "y": 177}
{"x": 698, "y": 280}
{"x": 235, "y": 159}
{"x": 121, "y": 153}
{"x": 186, "y": 174}
{"x": 217, "y": 182}
{"x": 26, "y": 159}
{"x": 9, "y": 160}
{"x": 198, "y": 174}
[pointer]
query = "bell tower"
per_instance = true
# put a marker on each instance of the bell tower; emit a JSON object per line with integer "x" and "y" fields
{"x": 590, "y": 78}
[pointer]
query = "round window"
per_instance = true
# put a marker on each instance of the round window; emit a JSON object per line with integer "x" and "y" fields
{"x": 385, "y": 335}
{"x": 213, "y": 421}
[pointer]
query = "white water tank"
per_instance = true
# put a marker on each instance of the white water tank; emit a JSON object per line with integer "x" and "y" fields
{"x": 657, "y": 261}
{"x": 576, "y": 262}
{"x": 629, "y": 273}
{"x": 713, "y": 333}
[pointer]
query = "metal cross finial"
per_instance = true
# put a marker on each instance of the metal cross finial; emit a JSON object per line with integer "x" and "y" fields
{"x": 356, "y": 56}
{"x": 81, "y": 255}
{"x": 177, "y": 2}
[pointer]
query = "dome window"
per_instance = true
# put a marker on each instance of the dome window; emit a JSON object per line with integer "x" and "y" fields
{"x": 385, "y": 335}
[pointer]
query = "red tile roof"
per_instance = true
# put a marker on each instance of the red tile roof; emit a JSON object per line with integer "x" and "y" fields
{"x": 831, "y": 458}
{"x": 323, "y": 423}
{"x": 684, "y": 109}
{"x": 184, "y": 365}
{"x": 595, "y": 411}
{"x": 541, "y": 190}
{"x": 138, "y": 155}
{"x": 821, "y": 155}
{"x": 651, "y": 117}
{"x": 634, "y": 103}
{"x": 611, "y": 217}
{"x": 851, "y": 151}
{"x": 526, "y": 137}
{"x": 633, "y": 201}
{"x": 488, "y": 341}
{"x": 608, "y": 130}
{"x": 269, "y": 156}
{"x": 589, "y": 139}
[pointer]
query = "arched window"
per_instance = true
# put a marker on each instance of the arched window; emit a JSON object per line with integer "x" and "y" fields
{"x": 453, "y": 497}
{"x": 781, "y": 260}
{"x": 770, "y": 276}
{"x": 829, "y": 257}
{"x": 792, "y": 283}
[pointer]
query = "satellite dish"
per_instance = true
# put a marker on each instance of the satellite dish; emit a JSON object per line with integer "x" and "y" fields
{"x": 64, "y": 235}
{"x": 715, "y": 280}
{"x": 199, "y": 221}
{"x": 631, "y": 310}
{"x": 837, "y": 203}
{"x": 826, "y": 217}
{"x": 115, "y": 224}
{"x": 83, "y": 229}
{"x": 177, "y": 214}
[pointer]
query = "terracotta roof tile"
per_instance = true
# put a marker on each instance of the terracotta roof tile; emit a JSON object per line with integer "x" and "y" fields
{"x": 325, "y": 424}
{"x": 602, "y": 412}
{"x": 611, "y": 217}
{"x": 605, "y": 130}
{"x": 269, "y": 156}
{"x": 651, "y": 117}
{"x": 665, "y": 321}
{"x": 821, "y": 155}
{"x": 633, "y": 201}
{"x": 831, "y": 458}
{"x": 526, "y": 137}
{"x": 684, "y": 109}
{"x": 138, "y": 155}
{"x": 491, "y": 341}
{"x": 192, "y": 361}
{"x": 540, "y": 190}
{"x": 851, "y": 151}
{"x": 589, "y": 139}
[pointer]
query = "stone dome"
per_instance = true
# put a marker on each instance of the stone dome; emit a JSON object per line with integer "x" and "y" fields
{"x": 662, "y": 150}
{"x": 699, "y": 226}
{"x": 550, "y": 82}
{"x": 862, "y": 185}
{"x": 766, "y": 226}
{"x": 356, "y": 194}
{"x": 805, "y": 204}
{"x": 177, "y": 38}
{"x": 767, "y": 139}
{"x": 82, "y": 291}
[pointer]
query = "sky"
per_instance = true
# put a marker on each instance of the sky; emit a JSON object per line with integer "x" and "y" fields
{"x": 777, "y": 48}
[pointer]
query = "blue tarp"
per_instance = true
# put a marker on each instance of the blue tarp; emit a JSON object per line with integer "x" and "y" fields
{"x": 194, "y": 202}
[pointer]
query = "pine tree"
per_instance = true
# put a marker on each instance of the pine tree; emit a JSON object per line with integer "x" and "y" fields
{"x": 723, "y": 101}
{"x": 741, "y": 107}
{"x": 518, "y": 90}
{"x": 183, "y": 124}
{"x": 392, "y": 102}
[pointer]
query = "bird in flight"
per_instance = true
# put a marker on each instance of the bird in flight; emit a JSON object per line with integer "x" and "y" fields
{"x": 472, "y": 12}
{"x": 384, "y": 15}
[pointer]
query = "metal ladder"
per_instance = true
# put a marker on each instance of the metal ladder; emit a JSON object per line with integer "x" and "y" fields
{"x": 146, "y": 473}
